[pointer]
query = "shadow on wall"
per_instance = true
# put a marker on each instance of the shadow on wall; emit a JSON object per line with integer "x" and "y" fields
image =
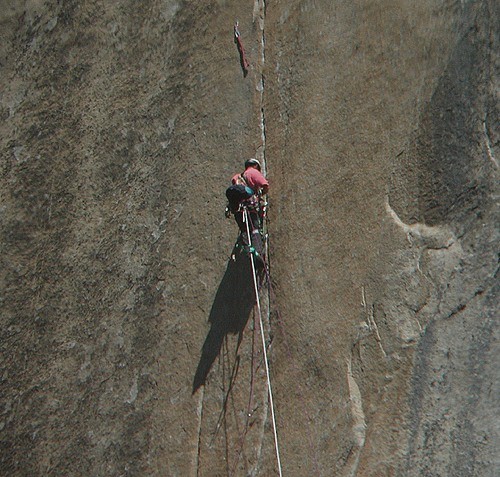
{"x": 442, "y": 177}
{"x": 230, "y": 311}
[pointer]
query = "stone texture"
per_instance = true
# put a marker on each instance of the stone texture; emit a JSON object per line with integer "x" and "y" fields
{"x": 129, "y": 341}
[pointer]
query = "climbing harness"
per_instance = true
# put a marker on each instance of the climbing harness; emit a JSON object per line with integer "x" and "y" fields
{"x": 246, "y": 219}
{"x": 243, "y": 58}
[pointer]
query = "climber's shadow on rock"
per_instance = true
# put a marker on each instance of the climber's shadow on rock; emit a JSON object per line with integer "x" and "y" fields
{"x": 230, "y": 311}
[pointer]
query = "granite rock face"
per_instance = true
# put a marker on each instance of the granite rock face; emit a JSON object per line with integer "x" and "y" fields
{"x": 130, "y": 343}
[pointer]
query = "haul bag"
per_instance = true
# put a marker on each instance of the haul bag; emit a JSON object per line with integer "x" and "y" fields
{"x": 236, "y": 194}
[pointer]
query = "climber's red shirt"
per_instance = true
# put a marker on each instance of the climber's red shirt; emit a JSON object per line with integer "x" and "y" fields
{"x": 253, "y": 177}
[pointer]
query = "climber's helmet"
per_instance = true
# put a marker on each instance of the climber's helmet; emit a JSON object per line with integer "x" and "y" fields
{"x": 252, "y": 163}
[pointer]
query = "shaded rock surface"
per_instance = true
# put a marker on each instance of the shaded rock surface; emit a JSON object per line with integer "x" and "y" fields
{"x": 129, "y": 341}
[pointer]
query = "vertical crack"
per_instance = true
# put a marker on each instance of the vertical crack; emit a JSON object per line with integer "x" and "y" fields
{"x": 487, "y": 141}
{"x": 372, "y": 324}
{"x": 200, "y": 421}
{"x": 259, "y": 14}
{"x": 358, "y": 420}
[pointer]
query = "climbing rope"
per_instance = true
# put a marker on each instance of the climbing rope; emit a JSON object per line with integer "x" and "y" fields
{"x": 259, "y": 316}
{"x": 288, "y": 348}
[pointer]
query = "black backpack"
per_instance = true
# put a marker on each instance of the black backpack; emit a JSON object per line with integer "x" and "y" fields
{"x": 236, "y": 194}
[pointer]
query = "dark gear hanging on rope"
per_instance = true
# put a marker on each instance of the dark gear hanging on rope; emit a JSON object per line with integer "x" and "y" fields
{"x": 243, "y": 58}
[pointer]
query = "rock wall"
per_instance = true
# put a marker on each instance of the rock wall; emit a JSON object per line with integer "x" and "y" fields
{"x": 130, "y": 342}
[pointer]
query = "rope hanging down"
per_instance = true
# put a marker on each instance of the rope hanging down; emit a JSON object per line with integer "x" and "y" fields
{"x": 259, "y": 313}
{"x": 243, "y": 57}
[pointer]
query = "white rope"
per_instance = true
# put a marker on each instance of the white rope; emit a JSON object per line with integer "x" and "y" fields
{"x": 256, "y": 288}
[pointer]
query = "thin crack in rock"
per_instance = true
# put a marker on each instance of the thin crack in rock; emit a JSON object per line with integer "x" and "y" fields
{"x": 358, "y": 420}
{"x": 489, "y": 149}
{"x": 200, "y": 420}
{"x": 372, "y": 324}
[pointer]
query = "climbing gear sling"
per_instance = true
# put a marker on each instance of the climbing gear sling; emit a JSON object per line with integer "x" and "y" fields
{"x": 243, "y": 57}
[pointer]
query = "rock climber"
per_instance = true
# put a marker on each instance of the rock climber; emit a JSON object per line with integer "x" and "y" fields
{"x": 247, "y": 191}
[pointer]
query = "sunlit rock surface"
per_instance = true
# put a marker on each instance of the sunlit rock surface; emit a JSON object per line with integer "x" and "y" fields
{"x": 130, "y": 343}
